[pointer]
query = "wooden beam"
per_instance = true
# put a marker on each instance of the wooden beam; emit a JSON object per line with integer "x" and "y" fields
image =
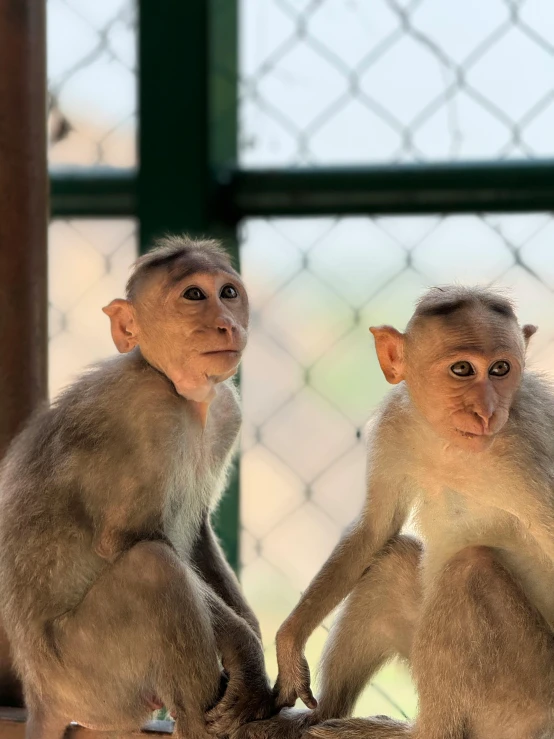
{"x": 12, "y": 726}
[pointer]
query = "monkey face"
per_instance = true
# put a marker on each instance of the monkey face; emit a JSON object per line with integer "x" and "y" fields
{"x": 462, "y": 372}
{"x": 193, "y": 330}
{"x": 463, "y": 377}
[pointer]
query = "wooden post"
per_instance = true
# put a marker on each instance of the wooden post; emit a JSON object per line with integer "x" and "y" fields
{"x": 23, "y": 230}
{"x": 23, "y": 213}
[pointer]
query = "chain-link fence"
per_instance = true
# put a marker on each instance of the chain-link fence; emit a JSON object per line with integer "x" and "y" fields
{"x": 92, "y": 121}
{"x": 328, "y": 81}
{"x": 88, "y": 265}
{"x": 92, "y": 82}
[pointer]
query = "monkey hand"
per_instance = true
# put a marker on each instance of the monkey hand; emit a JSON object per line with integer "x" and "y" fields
{"x": 293, "y": 680}
{"x": 247, "y": 698}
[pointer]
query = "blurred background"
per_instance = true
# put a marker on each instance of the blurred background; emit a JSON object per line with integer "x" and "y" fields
{"x": 462, "y": 91}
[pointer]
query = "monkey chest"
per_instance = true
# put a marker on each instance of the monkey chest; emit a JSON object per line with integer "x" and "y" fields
{"x": 194, "y": 485}
{"x": 449, "y": 521}
{"x": 454, "y": 515}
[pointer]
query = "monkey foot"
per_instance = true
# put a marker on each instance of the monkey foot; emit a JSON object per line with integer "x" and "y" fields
{"x": 286, "y": 725}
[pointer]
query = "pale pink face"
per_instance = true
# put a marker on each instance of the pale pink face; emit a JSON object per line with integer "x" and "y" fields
{"x": 462, "y": 372}
{"x": 194, "y": 331}
{"x": 463, "y": 380}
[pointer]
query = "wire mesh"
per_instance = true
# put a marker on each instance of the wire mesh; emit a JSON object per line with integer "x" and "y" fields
{"x": 92, "y": 82}
{"x": 327, "y": 81}
{"x": 311, "y": 379}
{"x": 88, "y": 265}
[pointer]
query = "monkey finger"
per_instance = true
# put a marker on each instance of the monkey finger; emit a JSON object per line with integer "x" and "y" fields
{"x": 307, "y": 697}
{"x": 285, "y": 699}
{"x": 222, "y": 724}
{"x": 218, "y": 712}
{"x": 284, "y": 695}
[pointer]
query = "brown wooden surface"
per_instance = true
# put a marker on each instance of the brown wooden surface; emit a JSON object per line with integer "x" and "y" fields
{"x": 12, "y": 726}
{"x": 23, "y": 234}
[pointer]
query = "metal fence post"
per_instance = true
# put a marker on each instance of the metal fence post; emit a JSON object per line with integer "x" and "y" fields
{"x": 187, "y": 82}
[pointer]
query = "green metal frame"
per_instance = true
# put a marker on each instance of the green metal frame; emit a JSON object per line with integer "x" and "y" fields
{"x": 464, "y": 187}
{"x": 188, "y": 180}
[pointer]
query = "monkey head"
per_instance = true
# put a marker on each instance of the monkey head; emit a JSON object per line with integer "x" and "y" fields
{"x": 189, "y": 317}
{"x": 462, "y": 358}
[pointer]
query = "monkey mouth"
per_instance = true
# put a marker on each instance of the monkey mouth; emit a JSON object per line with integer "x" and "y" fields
{"x": 223, "y": 352}
{"x": 467, "y": 434}
{"x": 475, "y": 441}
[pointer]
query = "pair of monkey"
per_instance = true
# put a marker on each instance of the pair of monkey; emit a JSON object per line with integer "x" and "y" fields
{"x": 116, "y": 597}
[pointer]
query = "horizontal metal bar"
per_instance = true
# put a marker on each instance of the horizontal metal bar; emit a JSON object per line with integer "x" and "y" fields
{"x": 411, "y": 188}
{"x": 101, "y": 192}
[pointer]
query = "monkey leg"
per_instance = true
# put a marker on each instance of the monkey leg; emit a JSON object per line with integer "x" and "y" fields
{"x": 482, "y": 658}
{"x": 376, "y": 623}
{"x": 143, "y": 630}
{"x": 43, "y": 724}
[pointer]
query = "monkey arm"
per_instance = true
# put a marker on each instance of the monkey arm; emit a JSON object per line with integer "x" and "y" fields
{"x": 248, "y": 695}
{"x": 385, "y": 512}
{"x": 213, "y": 568}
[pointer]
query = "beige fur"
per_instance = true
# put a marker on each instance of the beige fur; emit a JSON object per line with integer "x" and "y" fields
{"x": 114, "y": 592}
{"x": 471, "y": 458}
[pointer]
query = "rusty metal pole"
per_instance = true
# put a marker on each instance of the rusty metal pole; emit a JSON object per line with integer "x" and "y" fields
{"x": 23, "y": 233}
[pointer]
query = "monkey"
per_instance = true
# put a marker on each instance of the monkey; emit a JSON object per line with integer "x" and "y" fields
{"x": 114, "y": 591}
{"x": 464, "y": 442}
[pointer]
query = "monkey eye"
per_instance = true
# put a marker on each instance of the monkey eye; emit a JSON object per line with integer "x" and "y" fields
{"x": 462, "y": 369}
{"x": 228, "y": 292}
{"x": 194, "y": 293}
{"x": 499, "y": 369}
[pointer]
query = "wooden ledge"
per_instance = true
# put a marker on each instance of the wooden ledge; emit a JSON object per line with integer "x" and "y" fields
{"x": 12, "y": 726}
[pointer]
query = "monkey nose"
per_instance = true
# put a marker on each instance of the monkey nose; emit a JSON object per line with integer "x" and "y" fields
{"x": 224, "y": 326}
{"x": 225, "y": 329}
{"x": 484, "y": 415}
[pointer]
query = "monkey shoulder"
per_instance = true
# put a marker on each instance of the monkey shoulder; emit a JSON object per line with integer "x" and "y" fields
{"x": 389, "y": 423}
{"x": 529, "y": 436}
{"x": 534, "y": 402}
{"x": 99, "y": 439}
{"x": 389, "y": 437}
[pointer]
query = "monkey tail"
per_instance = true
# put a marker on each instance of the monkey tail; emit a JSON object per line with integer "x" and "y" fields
{"x": 376, "y": 727}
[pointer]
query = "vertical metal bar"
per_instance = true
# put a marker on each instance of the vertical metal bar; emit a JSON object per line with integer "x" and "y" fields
{"x": 174, "y": 176}
{"x": 223, "y": 33}
{"x": 180, "y": 43}
{"x": 23, "y": 230}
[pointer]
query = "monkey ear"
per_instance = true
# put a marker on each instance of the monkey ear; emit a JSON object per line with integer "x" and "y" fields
{"x": 528, "y": 331}
{"x": 123, "y": 324}
{"x": 389, "y": 344}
